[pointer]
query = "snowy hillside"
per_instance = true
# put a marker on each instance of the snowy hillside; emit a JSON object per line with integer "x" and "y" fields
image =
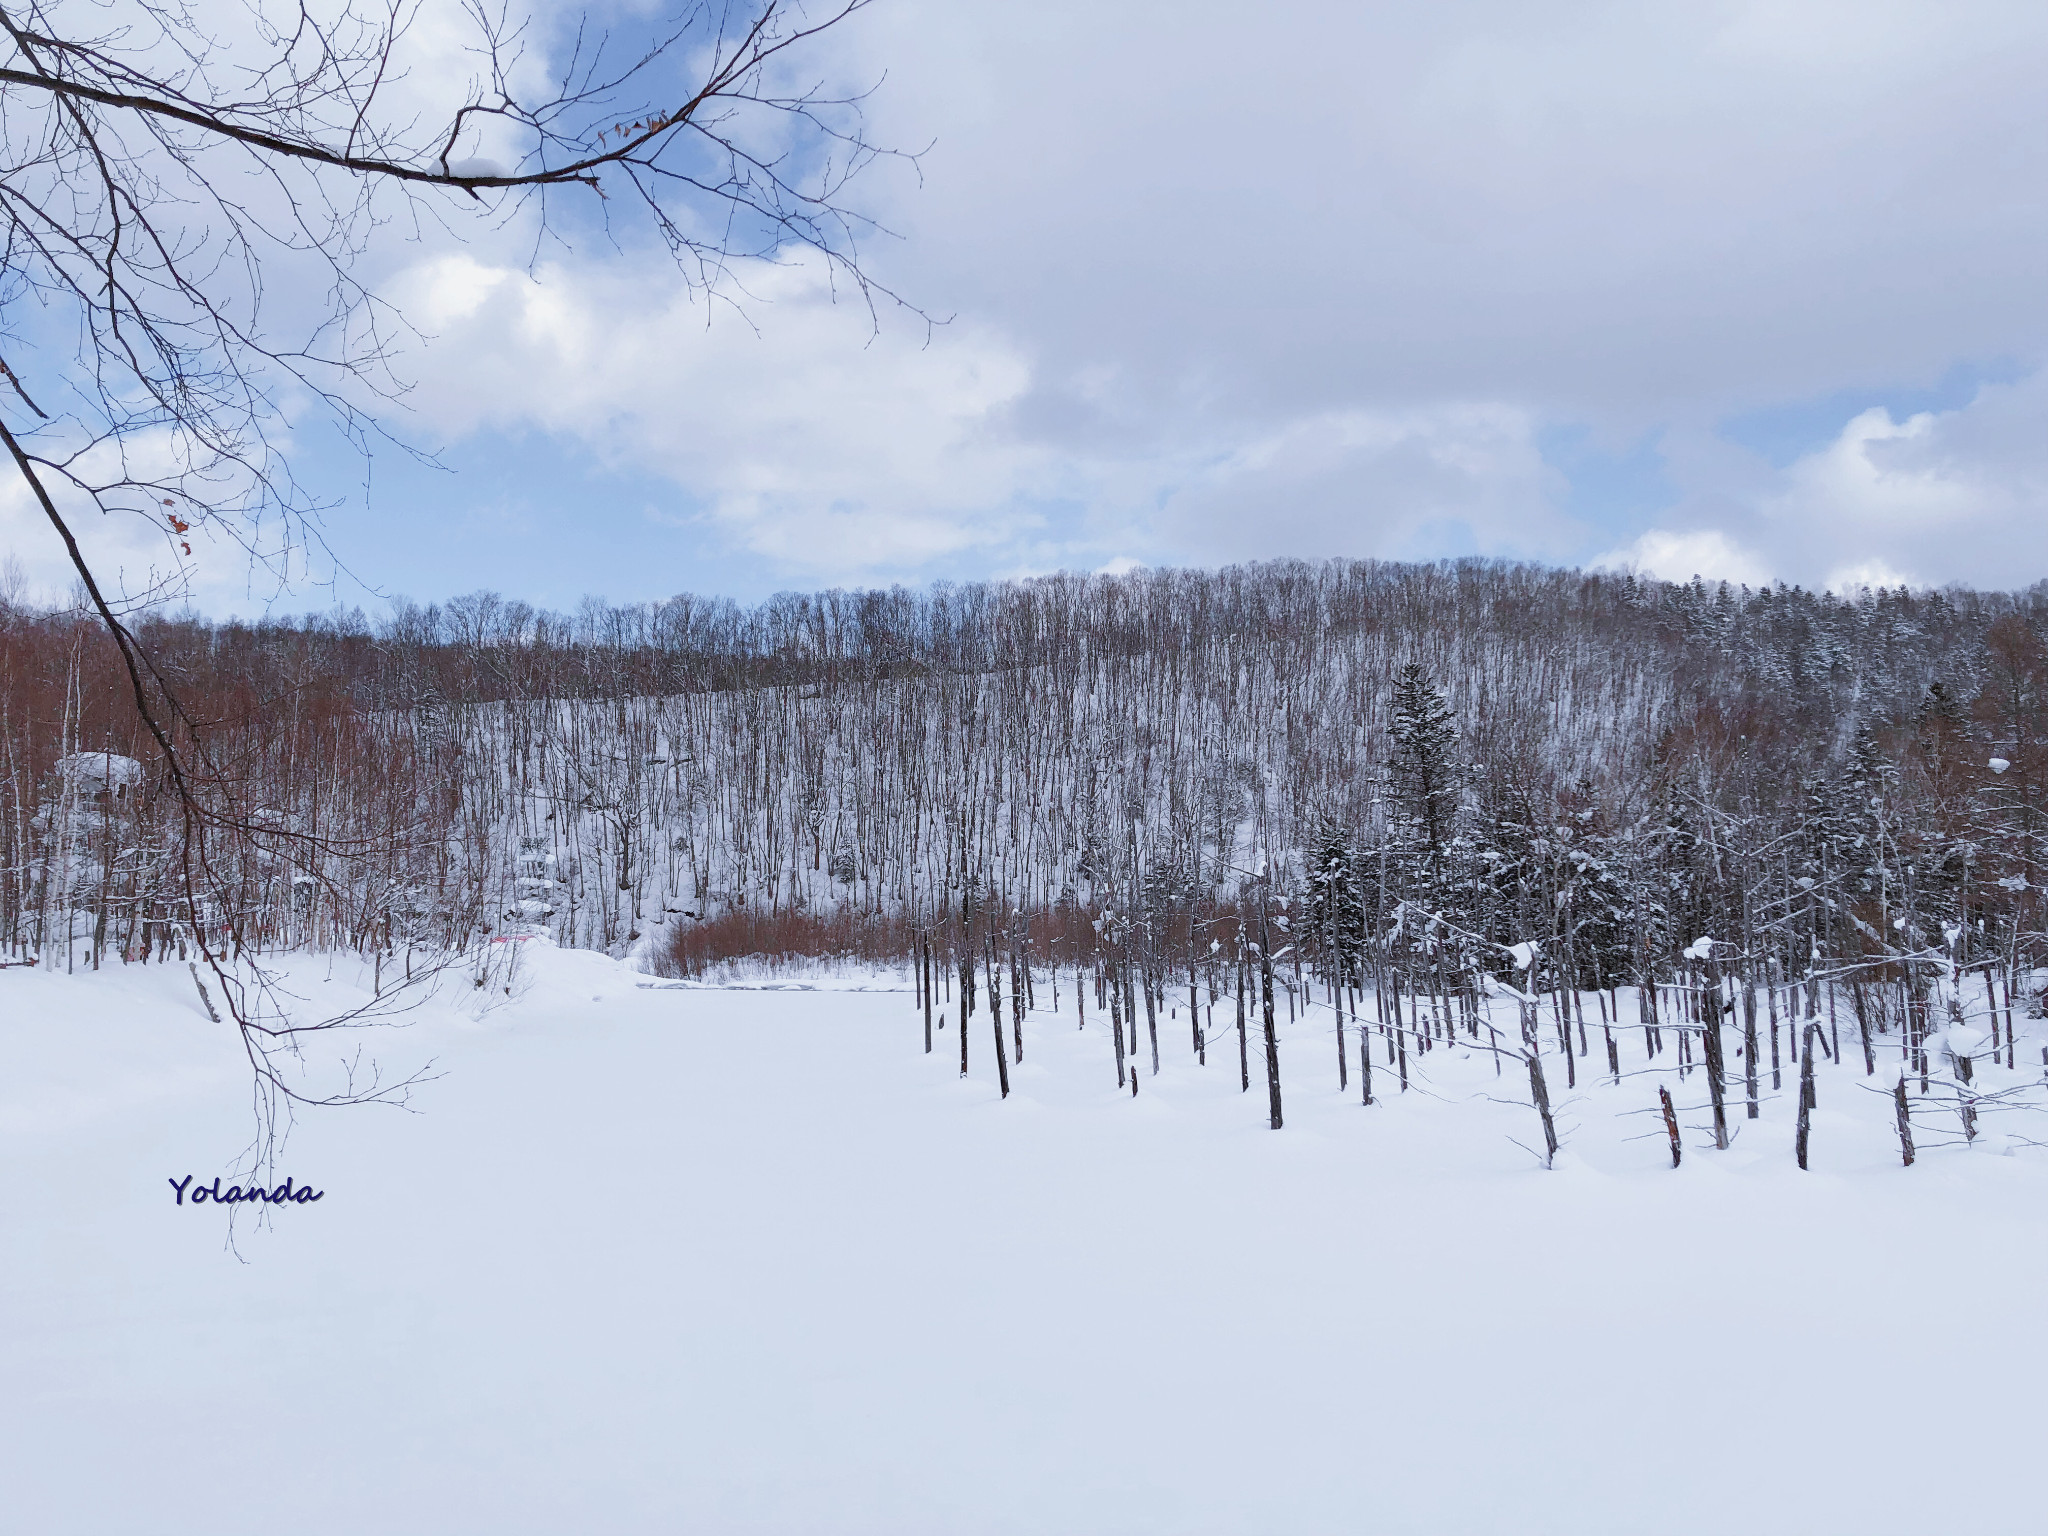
{"x": 681, "y": 1259}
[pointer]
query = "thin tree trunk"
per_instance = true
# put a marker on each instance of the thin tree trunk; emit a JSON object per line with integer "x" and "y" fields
{"x": 1799, "y": 1141}
{"x": 995, "y": 1012}
{"x": 1343, "y": 1065}
{"x": 1905, "y": 1121}
{"x": 1272, "y": 1031}
{"x": 966, "y": 986}
{"x": 1244, "y": 1065}
{"x": 1749, "y": 1082}
{"x": 1018, "y": 965}
{"x": 1116, "y": 1029}
{"x": 1151, "y": 1020}
{"x": 1539, "y": 1091}
{"x": 1710, "y": 1038}
{"x": 1771, "y": 1000}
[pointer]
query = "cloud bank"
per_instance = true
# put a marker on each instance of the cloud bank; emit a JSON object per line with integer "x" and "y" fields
{"x": 1326, "y": 279}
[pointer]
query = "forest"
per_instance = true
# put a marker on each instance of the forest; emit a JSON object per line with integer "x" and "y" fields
{"x": 1418, "y": 784}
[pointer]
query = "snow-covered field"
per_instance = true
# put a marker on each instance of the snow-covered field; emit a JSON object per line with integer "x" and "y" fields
{"x": 748, "y": 1261}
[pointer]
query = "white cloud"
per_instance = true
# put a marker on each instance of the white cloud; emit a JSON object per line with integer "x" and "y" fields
{"x": 1941, "y": 496}
{"x": 802, "y": 435}
{"x": 1343, "y": 315}
{"x": 1459, "y": 479}
{"x": 1867, "y": 573}
{"x": 835, "y": 452}
{"x": 1675, "y": 556}
{"x": 1878, "y": 476}
{"x": 1633, "y": 220}
{"x": 1634, "y": 212}
{"x": 1938, "y": 496}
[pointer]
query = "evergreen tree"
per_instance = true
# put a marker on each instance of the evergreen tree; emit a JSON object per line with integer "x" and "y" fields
{"x": 1504, "y": 899}
{"x": 1942, "y": 853}
{"x": 1599, "y": 904}
{"x": 1860, "y": 830}
{"x": 1336, "y": 902}
{"x": 1422, "y": 786}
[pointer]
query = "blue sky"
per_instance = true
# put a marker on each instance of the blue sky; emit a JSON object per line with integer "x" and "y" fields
{"x": 1750, "y": 290}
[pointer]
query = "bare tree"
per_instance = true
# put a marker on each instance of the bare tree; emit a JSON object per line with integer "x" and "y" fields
{"x": 194, "y": 201}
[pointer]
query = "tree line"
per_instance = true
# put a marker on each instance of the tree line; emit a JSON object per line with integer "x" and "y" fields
{"x": 1607, "y": 767}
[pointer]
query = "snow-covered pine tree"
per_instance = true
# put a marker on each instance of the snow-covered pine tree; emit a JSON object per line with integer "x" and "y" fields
{"x": 1336, "y": 902}
{"x": 1600, "y": 905}
{"x": 1859, "y": 833}
{"x": 1423, "y": 788}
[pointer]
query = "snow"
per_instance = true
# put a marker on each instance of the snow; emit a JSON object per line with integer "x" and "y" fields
{"x": 659, "y": 1259}
{"x": 100, "y": 770}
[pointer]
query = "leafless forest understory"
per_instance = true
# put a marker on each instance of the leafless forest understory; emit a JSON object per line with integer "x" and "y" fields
{"x": 1405, "y": 794}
